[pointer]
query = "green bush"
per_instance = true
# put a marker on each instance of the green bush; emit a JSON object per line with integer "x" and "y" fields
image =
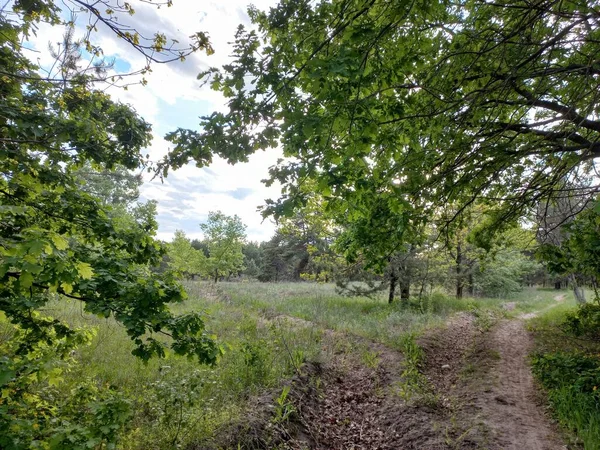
{"x": 584, "y": 322}
{"x": 40, "y": 409}
{"x": 573, "y": 384}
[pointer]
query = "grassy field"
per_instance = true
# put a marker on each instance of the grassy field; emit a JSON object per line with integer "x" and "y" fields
{"x": 176, "y": 402}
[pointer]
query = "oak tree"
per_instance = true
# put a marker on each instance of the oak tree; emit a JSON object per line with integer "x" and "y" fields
{"x": 225, "y": 236}
{"x": 393, "y": 109}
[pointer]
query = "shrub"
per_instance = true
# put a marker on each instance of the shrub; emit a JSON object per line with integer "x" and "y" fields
{"x": 573, "y": 384}
{"x": 585, "y": 322}
{"x": 39, "y": 409}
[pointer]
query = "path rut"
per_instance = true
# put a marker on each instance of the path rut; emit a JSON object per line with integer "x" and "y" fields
{"x": 505, "y": 401}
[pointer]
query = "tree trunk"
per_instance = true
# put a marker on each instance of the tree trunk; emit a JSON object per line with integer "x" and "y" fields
{"x": 393, "y": 281}
{"x": 216, "y": 276}
{"x": 471, "y": 288}
{"x": 577, "y": 290}
{"x": 404, "y": 292}
{"x": 301, "y": 266}
{"x": 459, "y": 272}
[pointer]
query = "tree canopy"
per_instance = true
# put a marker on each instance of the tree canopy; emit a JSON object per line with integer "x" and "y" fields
{"x": 225, "y": 236}
{"x": 56, "y": 238}
{"x": 184, "y": 258}
{"x": 393, "y": 109}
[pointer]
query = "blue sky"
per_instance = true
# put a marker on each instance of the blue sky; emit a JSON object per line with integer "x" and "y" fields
{"x": 173, "y": 98}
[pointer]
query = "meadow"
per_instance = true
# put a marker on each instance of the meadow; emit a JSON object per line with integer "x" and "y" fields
{"x": 267, "y": 331}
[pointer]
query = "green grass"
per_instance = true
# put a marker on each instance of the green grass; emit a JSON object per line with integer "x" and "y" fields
{"x": 177, "y": 402}
{"x": 569, "y": 370}
{"x": 371, "y": 318}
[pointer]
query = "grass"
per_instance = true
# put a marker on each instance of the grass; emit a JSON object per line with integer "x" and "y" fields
{"x": 371, "y": 318}
{"x": 568, "y": 368}
{"x": 178, "y": 403}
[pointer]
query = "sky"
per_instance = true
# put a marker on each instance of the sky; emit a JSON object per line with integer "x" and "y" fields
{"x": 173, "y": 98}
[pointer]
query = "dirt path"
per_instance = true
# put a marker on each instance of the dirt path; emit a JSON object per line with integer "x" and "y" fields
{"x": 504, "y": 401}
{"x": 478, "y": 393}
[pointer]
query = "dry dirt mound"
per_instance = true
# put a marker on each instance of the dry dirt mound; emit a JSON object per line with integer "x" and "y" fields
{"x": 445, "y": 350}
{"x": 357, "y": 408}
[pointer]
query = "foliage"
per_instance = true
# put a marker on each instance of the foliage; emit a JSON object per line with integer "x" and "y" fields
{"x": 172, "y": 400}
{"x": 59, "y": 240}
{"x": 38, "y": 409}
{"x": 114, "y": 187}
{"x": 253, "y": 259}
{"x": 394, "y": 109}
{"x": 579, "y": 249}
{"x": 184, "y": 258}
{"x": 573, "y": 384}
{"x": 585, "y": 322}
{"x": 284, "y": 408}
{"x": 503, "y": 274}
{"x": 202, "y": 401}
{"x": 224, "y": 236}
{"x": 569, "y": 369}
{"x": 302, "y": 246}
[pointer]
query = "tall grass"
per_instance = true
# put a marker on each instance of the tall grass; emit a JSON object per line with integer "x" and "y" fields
{"x": 367, "y": 317}
{"x": 569, "y": 370}
{"x": 178, "y": 403}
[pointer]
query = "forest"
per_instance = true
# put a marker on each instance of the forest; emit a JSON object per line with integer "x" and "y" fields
{"x": 432, "y": 280}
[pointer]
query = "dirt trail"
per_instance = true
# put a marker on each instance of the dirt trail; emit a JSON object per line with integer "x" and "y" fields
{"x": 504, "y": 401}
{"x": 558, "y": 298}
{"x": 485, "y": 390}
{"x": 479, "y": 393}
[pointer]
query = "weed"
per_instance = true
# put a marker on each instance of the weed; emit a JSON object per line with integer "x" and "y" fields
{"x": 570, "y": 374}
{"x": 370, "y": 358}
{"x": 414, "y": 386}
{"x": 261, "y": 352}
{"x": 284, "y": 408}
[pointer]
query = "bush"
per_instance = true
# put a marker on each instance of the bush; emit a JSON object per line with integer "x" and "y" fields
{"x": 39, "y": 409}
{"x": 585, "y": 322}
{"x": 573, "y": 384}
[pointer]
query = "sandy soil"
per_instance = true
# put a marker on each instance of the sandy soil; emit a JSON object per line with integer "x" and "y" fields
{"x": 480, "y": 394}
{"x": 505, "y": 400}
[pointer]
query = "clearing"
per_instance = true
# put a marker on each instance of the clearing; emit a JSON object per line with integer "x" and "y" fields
{"x": 305, "y": 368}
{"x": 463, "y": 384}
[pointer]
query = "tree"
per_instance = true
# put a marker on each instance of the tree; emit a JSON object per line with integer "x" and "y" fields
{"x": 394, "y": 109}
{"x": 552, "y": 217}
{"x": 116, "y": 187}
{"x": 307, "y": 236}
{"x": 276, "y": 260}
{"x": 59, "y": 240}
{"x": 253, "y": 259}
{"x": 184, "y": 258}
{"x": 577, "y": 254}
{"x": 224, "y": 236}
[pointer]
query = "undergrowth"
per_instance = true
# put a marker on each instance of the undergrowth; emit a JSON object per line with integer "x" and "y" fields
{"x": 370, "y": 318}
{"x": 176, "y": 403}
{"x": 567, "y": 365}
{"x": 414, "y": 386}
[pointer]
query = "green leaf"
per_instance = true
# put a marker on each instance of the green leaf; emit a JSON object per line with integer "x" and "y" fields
{"x": 59, "y": 242}
{"x": 85, "y": 270}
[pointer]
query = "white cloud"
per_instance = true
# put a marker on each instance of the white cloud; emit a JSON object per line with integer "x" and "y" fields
{"x": 187, "y": 194}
